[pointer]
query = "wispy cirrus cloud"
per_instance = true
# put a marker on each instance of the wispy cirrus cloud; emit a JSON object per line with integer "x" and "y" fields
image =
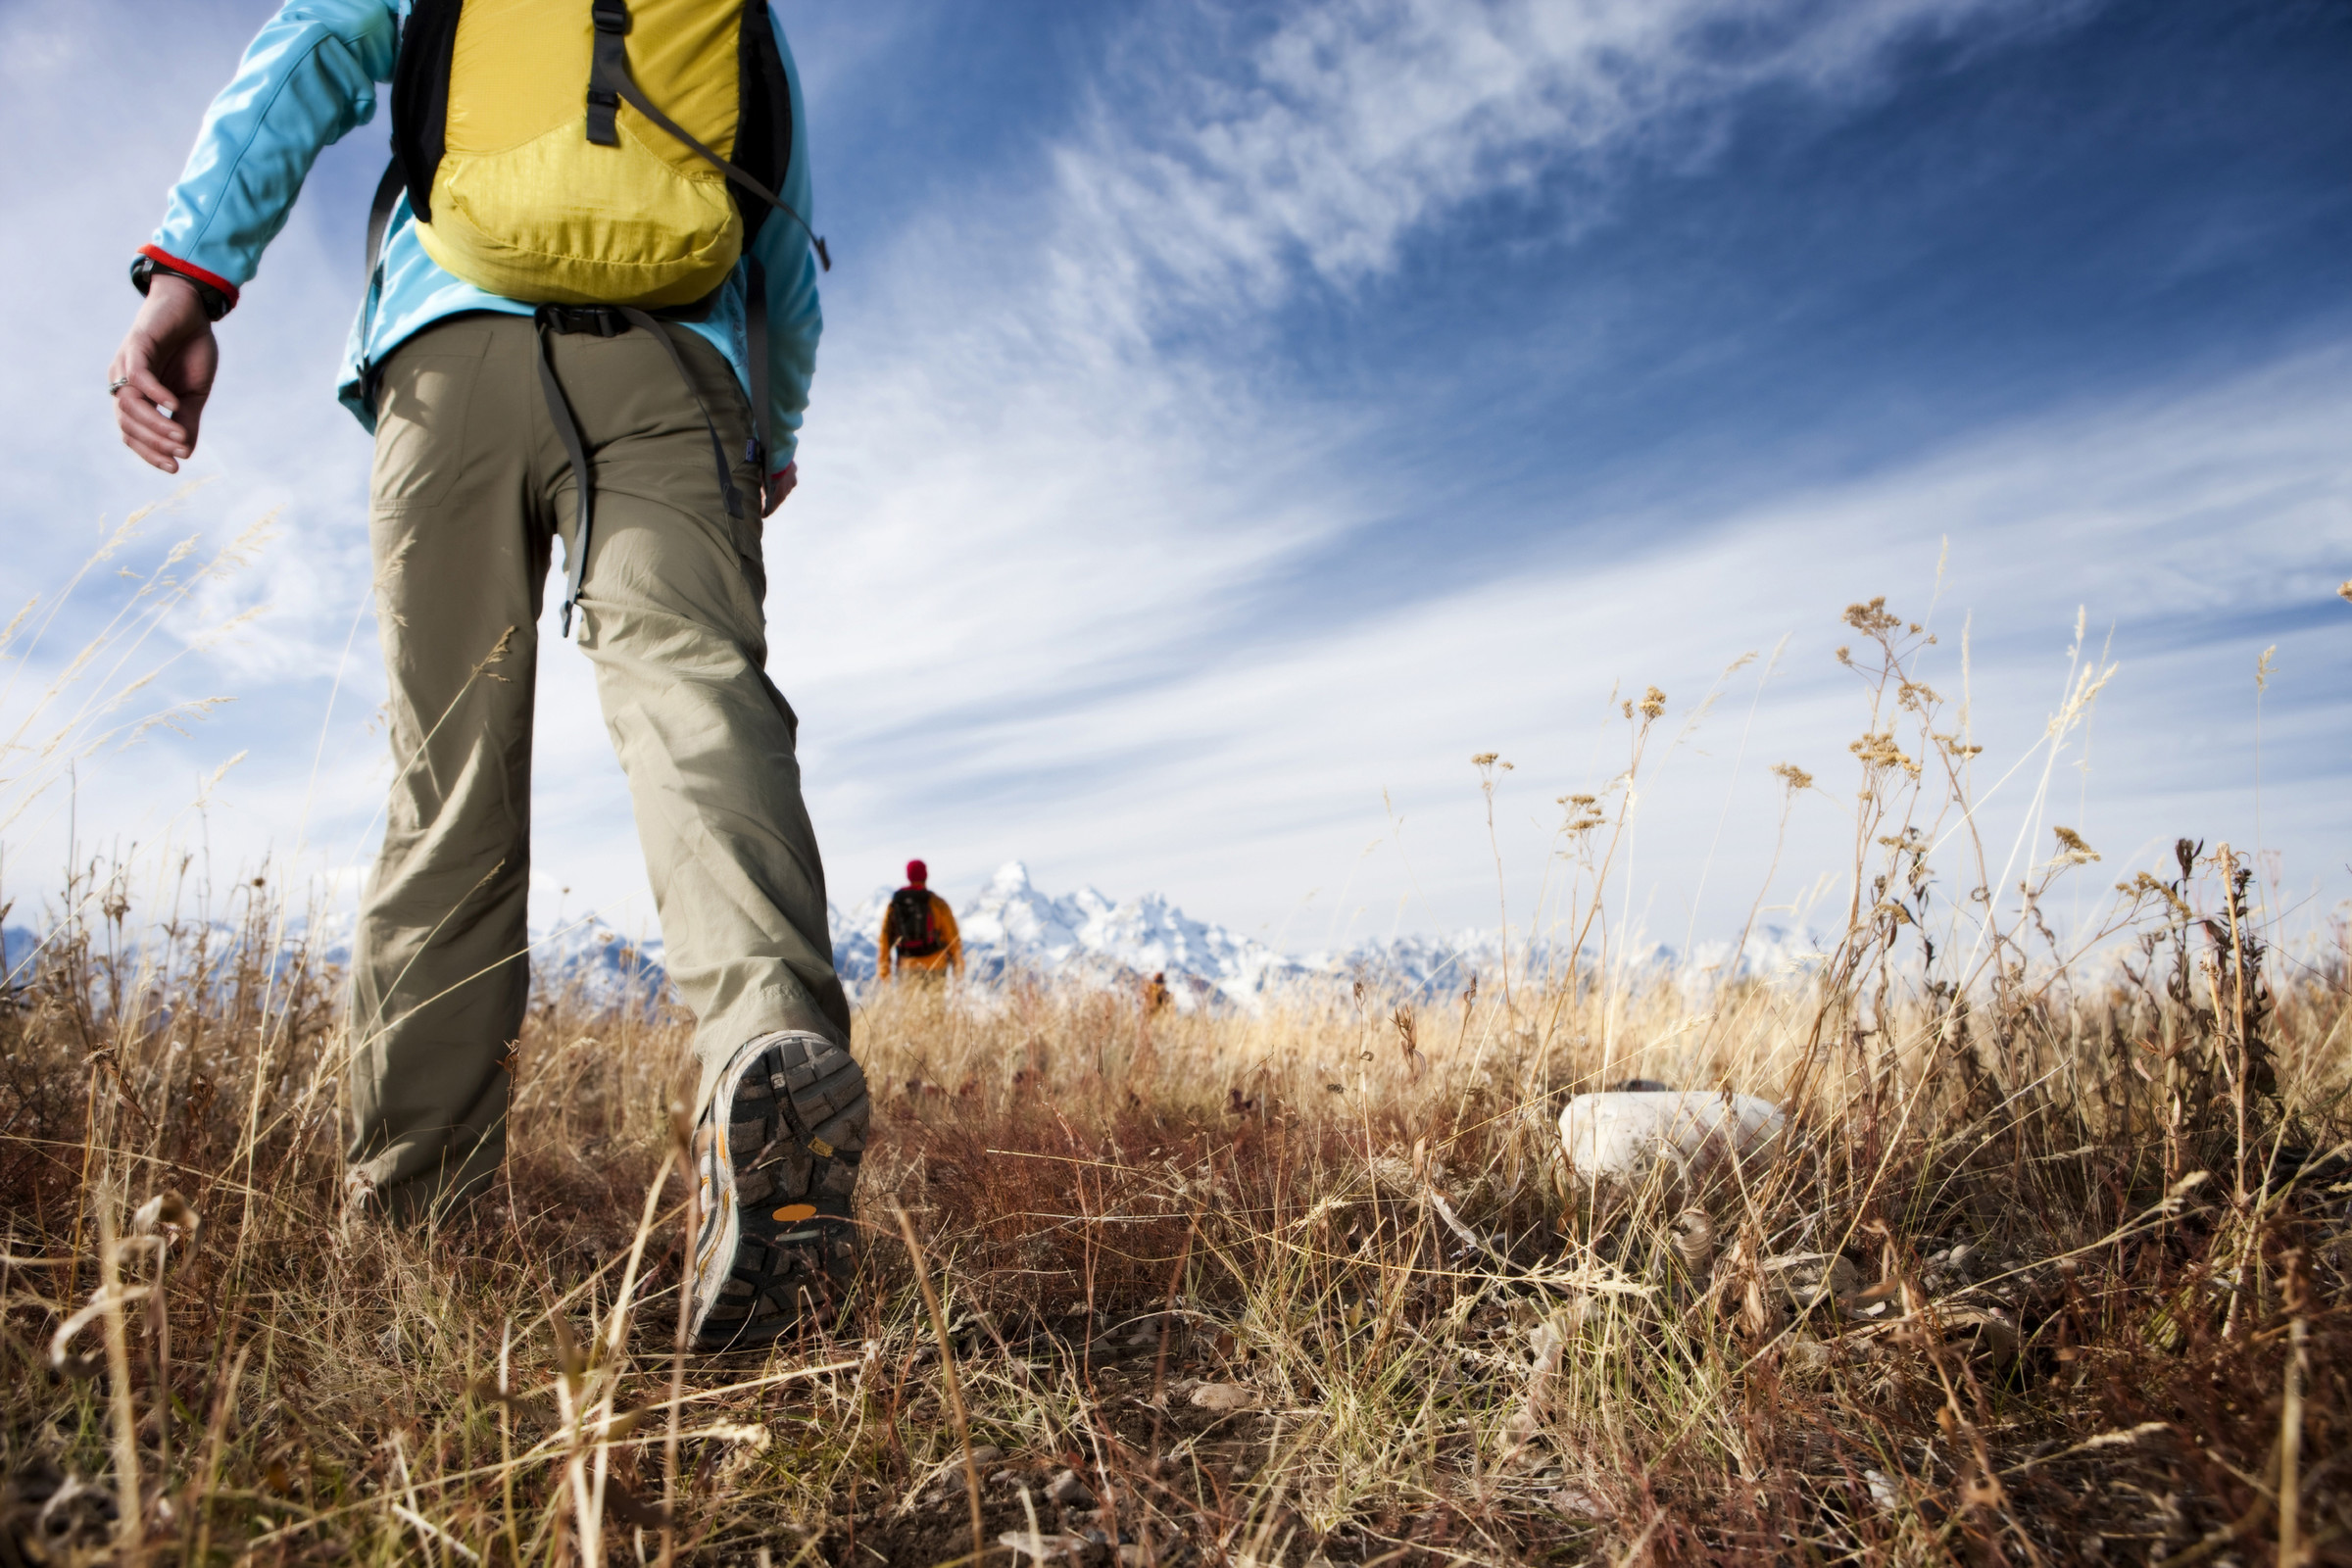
{"x": 1083, "y": 504}
{"x": 1223, "y": 160}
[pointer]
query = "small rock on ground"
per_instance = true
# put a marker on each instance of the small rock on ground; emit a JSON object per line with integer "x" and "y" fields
{"x": 1225, "y": 1396}
{"x": 1042, "y": 1548}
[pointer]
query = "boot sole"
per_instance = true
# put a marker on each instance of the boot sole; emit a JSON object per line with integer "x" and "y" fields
{"x": 776, "y": 1165}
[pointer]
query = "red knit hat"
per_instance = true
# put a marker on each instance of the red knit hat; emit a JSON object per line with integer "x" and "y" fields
{"x": 917, "y": 872}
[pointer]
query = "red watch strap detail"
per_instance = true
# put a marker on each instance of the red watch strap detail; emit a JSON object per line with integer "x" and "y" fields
{"x": 171, "y": 263}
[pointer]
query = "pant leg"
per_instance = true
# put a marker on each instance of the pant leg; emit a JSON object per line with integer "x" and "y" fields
{"x": 440, "y": 978}
{"x": 671, "y": 618}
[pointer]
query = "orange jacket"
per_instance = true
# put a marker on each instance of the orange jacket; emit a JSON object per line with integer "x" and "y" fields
{"x": 943, "y": 921}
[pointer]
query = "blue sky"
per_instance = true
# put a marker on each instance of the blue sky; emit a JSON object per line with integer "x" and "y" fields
{"x": 1232, "y": 417}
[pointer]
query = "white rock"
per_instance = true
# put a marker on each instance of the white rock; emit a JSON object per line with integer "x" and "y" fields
{"x": 1042, "y": 1548}
{"x": 1623, "y": 1138}
{"x": 1225, "y": 1396}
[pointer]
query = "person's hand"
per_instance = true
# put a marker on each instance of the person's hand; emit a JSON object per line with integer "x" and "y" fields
{"x": 166, "y": 366}
{"x": 778, "y": 485}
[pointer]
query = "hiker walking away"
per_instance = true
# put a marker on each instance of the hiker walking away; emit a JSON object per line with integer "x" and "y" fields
{"x": 591, "y": 315}
{"x": 918, "y": 929}
{"x": 1155, "y": 998}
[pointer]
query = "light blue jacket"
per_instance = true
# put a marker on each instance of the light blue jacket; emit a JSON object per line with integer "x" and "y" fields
{"x": 310, "y": 77}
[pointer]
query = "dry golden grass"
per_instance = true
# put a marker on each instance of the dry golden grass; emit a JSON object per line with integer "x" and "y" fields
{"x": 1305, "y": 1285}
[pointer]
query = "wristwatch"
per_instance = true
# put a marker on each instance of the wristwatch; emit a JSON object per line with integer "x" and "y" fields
{"x": 142, "y": 273}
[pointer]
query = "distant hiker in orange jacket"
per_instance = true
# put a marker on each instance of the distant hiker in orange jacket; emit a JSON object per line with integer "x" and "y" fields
{"x": 918, "y": 929}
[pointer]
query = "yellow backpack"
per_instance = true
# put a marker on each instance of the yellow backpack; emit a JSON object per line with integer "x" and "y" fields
{"x": 620, "y": 152}
{"x": 598, "y": 159}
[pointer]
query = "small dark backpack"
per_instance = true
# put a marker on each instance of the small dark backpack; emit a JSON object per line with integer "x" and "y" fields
{"x": 911, "y": 919}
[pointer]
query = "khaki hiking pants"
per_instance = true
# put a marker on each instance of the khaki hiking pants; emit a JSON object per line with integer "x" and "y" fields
{"x": 470, "y": 489}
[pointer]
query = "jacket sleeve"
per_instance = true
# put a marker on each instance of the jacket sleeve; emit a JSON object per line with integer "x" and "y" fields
{"x": 308, "y": 78}
{"x": 948, "y": 932}
{"x": 789, "y": 260}
{"x": 890, "y": 920}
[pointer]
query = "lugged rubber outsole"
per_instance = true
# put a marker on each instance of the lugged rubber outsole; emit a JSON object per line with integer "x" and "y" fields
{"x": 776, "y": 1157}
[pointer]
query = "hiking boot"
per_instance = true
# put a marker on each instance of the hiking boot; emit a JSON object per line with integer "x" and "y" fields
{"x": 776, "y": 1156}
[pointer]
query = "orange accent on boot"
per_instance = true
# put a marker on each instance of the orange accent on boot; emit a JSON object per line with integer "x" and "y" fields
{"x": 791, "y": 1213}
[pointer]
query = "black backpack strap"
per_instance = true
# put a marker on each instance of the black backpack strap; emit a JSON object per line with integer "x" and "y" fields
{"x": 610, "y": 85}
{"x": 568, "y": 430}
{"x": 379, "y": 219}
{"x": 379, "y": 212}
{"x": 754, "y": 333}
{"x": 608, "y": 65}
{"x": 420, "y": 73}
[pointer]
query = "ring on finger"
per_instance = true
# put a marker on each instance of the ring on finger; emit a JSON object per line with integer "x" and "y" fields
{"x": 116, "y": 384}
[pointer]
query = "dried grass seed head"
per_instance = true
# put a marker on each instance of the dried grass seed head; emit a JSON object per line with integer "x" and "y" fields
{"x": 1871, "y": 619}
{"x": 2071, "y": 842}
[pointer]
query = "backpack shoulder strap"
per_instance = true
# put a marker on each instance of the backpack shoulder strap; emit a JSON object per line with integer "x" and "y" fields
{"x": 379, "y": 218}
{"x": 379, "y": 211}
{"x": 754, "y": 333}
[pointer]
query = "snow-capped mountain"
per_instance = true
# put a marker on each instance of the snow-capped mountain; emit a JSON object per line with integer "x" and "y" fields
{"x": 1012, "y": 927}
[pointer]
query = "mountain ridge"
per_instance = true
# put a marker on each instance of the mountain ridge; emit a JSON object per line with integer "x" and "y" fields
{"x": 1010, "y": 926}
